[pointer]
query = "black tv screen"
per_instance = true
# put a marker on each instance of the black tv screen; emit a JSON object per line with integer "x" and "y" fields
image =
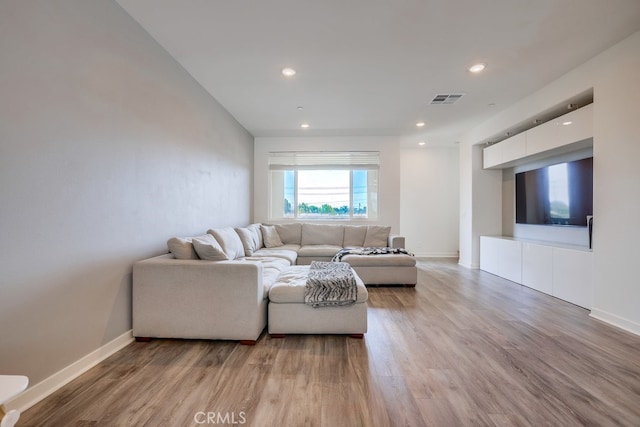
{"x": 560, "y": 194}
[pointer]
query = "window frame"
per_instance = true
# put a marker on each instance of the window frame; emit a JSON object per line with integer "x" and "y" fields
{"x": 346, "y": 160}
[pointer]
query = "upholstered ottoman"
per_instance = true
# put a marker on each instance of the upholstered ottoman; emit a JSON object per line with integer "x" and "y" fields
{"x": 288, "y": 313}
{"x": 386, "y": 269}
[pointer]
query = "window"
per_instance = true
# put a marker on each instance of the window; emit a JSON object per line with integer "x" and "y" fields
{"x": 338, "y": 185}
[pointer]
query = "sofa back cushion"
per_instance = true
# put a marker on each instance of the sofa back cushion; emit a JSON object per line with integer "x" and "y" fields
{"x": 322, "y": 234}
{"x": 354, "y": 235}
{"x": 207, "y": 247}
{"x": 270, "y": 236}
{"x": 181, "y": 248}
{"x": 251, "y": 238}
{"x": 229, "y": 240}
{"x": 290, "y": 233}
{"x": 377, "y": 236}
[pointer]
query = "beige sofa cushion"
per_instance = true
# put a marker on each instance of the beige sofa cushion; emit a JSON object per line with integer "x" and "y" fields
{"x": 287, "y": 252}
{"x": 271, "y": 262}
{"x": 318, "y": 250}
{"x": 251, "y": 238}
{"x": 207, "y": 247}
{"x": 271, "y": 268}
{"x": 291, "y": 233}
{"x": 322, "y": 234}
{"x": 181, "y": 248}
{"x": 270, "y": 236}
{"x": 354, "y": 235}
{"x": 377, "y": 236}
{"x": 229, "y": 240}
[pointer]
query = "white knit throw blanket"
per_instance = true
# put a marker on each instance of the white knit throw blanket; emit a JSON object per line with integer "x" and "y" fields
{"x": 330, "y": 284}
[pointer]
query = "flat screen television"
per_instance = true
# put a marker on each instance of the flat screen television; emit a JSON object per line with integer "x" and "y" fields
{"x": 560, "y": 194}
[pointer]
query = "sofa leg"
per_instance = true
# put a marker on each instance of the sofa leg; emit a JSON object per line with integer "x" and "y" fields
{"x": 357, "y": 336}
{"x": 143, "y": 339}
{"x": 247, "y": 342}
{"x": 277, "y": 335}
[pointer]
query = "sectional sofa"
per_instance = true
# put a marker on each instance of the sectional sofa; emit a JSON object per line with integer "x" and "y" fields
{"x": 216, "y": 286}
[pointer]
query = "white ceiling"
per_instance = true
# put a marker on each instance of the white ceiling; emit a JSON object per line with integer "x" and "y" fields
{"x": 371, "y": 67}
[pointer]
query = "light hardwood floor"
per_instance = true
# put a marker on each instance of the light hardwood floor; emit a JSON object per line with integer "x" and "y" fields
{"x": 462, "y": 348}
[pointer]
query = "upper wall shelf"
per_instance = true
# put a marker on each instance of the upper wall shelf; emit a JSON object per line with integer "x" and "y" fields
{"x": 570, "y": 132}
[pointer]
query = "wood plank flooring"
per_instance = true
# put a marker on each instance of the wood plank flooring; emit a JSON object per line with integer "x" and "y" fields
{"x": 462, "y": 348}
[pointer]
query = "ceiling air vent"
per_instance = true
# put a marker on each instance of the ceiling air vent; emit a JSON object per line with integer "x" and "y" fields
{"x": 449, "y": 98}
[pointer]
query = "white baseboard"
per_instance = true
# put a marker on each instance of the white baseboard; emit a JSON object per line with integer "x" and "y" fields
{"x": 615, "y": 320}
{"x": 44, "y": 388}
{"x": 436, "y": 254}
{"x": 470, "y": 266}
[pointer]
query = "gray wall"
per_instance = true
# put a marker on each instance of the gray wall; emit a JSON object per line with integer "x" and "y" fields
{"x": 107, "y": 148}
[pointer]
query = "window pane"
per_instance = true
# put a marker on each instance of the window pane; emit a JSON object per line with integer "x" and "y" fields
{"x": 360, "y": 192}
{"x": 289, "y": 194}
{"x": 323, "y": 193}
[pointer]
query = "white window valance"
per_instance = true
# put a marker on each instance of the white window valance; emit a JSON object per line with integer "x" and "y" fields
{"x": 324, "y": 160}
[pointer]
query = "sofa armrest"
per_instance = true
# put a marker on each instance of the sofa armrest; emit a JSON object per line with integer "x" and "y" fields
{"x": 396, "y": 241}
{"x": 198, "y": 299}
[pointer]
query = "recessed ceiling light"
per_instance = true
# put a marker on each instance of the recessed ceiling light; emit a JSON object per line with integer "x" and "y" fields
{"x": 566, "y": 123}
{"x": 476, "y": 68}
{"x": 304, "y": 125}
{"x": 288, "y": 72}
{"x": 419, "y": 124}
{"x": 421, "y": 143}
{"x": 299, "y": 108}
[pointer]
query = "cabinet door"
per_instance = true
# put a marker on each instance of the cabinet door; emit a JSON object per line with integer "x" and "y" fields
{"x": 514, "y": 148}
{"x": 572, "y": 276}
{"x": 510, "y": 260}
{"x": 489, "y": 254}
{"x": 542, "y": 138}
{"x": 537, "y": 270}
{"x": 492, "y": 156}
{"x": 579, "y": 125}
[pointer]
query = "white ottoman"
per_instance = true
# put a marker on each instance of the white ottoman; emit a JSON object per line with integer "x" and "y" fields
{"x": 288, "y": 314}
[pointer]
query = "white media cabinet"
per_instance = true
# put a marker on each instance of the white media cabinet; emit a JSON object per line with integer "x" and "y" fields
{"x": 563, "y": 271}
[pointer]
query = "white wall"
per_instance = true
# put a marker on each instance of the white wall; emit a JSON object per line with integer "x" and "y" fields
{"x": 615, "y": 79}
{"x": 480, "y": 204}
{"x": 389, "y": 191}
{"x": 429, "y": 200}
{"x": 107, "y": 148}
{"x": 616, "y": 178}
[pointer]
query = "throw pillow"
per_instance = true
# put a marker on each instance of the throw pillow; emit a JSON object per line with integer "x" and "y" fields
{"x": 270, "y": 236}
{"x": 181, "y": 248}
{"x": 229, "y": 240}
{"x": 251, "y": 237}
{"x": 377, "y": 237}
{"x": 207, "y": 247}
